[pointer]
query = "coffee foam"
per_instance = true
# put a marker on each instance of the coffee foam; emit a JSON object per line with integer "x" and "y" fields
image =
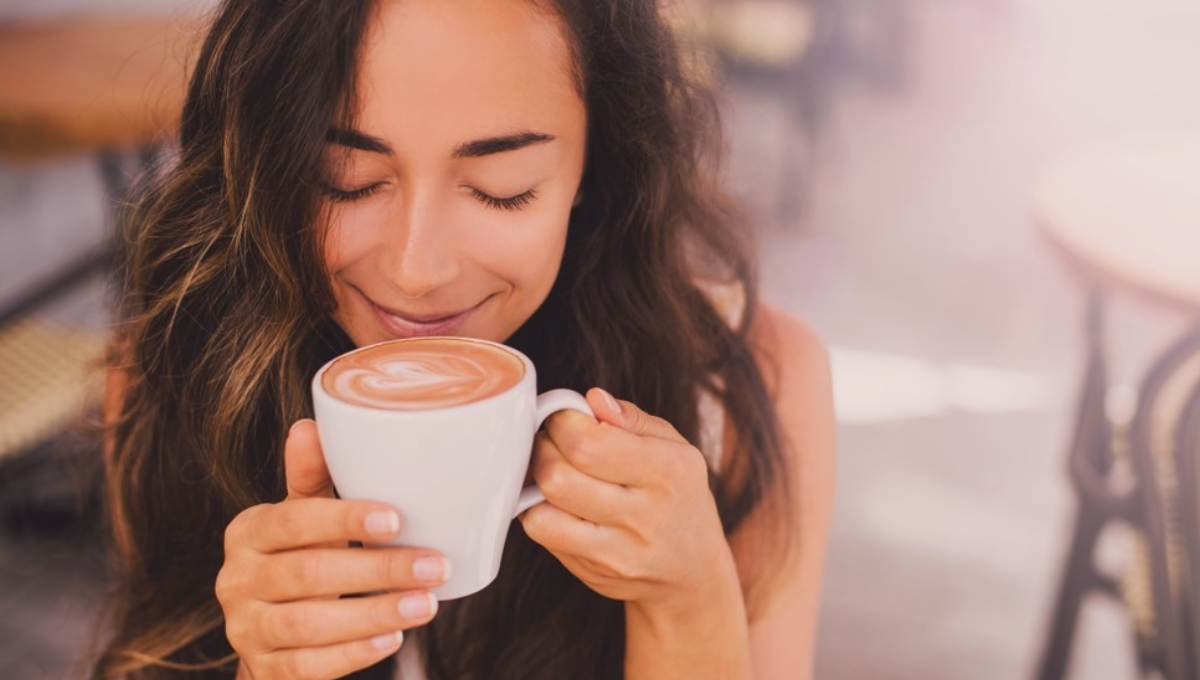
{"x": 422, "y": 375}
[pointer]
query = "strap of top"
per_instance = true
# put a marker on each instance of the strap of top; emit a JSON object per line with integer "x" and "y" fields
{"x": 729, "y": 299}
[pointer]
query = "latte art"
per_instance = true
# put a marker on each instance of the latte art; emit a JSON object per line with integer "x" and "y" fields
{"x": 417, "y": 375}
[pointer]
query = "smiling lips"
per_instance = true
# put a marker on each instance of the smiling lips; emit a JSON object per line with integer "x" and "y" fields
{"x": 413, "y": 326}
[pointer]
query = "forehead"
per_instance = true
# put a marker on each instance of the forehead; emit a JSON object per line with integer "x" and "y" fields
{"x": 443, "y": 70}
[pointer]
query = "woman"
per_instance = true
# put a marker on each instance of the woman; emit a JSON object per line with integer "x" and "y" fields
{"x": 349, "y": 170}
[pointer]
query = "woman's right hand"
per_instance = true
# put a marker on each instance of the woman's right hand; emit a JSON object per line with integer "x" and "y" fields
{"x": 287, "y": 563}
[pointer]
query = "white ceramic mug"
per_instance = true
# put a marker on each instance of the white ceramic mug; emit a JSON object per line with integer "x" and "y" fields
{"x": 454, "y": 473}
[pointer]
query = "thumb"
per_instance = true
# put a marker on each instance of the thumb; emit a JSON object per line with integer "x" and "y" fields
{"x": 304, "y": 463}
{"x": 606, "y": 408}
{"x": 629, "y": 417}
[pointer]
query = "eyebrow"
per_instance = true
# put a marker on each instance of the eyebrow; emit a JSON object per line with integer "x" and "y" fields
{"x": 473, "y": 149}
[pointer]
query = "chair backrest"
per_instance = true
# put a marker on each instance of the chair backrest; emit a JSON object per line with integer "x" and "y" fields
{"x": 1169, "y": 406}
{"x": 51, "y": 374}
{"x": 1187, "y": 446}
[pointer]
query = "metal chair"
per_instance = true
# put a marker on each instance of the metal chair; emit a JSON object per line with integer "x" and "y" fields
{"x": 1120, "y": 215}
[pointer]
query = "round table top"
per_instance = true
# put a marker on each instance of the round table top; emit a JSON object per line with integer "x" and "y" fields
{"x": 1128, "y": 212}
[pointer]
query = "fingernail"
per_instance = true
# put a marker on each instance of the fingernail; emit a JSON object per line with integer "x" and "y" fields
{"x": 431, "y": 569}
{"x": 387, "y": 640}
{"x": 302, "y": 420}
{"x": 383, "y": 522}
{"x": 417, "y": 606}
{"x": 608, "y": 399}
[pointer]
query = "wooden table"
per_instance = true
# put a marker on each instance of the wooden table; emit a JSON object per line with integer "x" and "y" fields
{"x": 1125, "y": 216}
{"x": 93, "y": 83}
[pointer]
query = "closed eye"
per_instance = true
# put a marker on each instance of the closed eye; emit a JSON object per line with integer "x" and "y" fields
{"x": 341, "y": 196}
{"x": 511, "y": 203}
{"x": 508, "y": 203}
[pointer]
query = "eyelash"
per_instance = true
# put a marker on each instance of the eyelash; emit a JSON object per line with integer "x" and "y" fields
{"x": 339, "y": 196}
{"x": 511, "y": 203}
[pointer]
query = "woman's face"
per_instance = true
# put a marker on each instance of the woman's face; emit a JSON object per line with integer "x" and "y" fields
{"x": 453, "y": 192}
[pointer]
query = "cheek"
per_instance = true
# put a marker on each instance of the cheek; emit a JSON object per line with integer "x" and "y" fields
{"x": 348, "y": 238}
{"x": 346, "y": 245}
{"x": 523, "y": 251}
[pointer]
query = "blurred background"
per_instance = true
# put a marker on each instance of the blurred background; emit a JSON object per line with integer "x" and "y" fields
{"x": 941, "y": 188}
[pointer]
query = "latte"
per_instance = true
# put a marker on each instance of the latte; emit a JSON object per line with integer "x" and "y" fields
{"x": 422, "y": 374}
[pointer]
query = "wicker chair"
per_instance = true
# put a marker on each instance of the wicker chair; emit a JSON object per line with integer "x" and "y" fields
{"x": 1157, "y": 586}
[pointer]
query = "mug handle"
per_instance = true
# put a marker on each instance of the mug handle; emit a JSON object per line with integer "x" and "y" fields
{"x": 549, "y": 403}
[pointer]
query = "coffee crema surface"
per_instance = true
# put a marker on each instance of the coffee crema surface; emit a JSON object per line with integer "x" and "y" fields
{"x": 419, "y": 375}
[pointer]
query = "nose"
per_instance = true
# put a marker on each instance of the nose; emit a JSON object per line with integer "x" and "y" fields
{"x": 421, "y": 253}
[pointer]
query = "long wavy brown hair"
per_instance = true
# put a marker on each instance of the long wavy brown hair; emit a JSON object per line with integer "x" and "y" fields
{"x": 226, "y": 314}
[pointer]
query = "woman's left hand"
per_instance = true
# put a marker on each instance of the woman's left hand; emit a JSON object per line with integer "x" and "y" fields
{"x": 629, "y": 509}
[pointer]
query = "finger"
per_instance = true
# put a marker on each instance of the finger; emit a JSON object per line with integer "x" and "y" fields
{"x": 313, "y": 623}
{"x": 605, "y": 451}
{"x": 330, "y": 661}
{"x": 575, "y": 491}
{"x": 304, "y": 462}
{"x": 303, "y": 574}
{"x": 629, "y": 417}
{"x": 561, "y": 532}
{"x": 315, "y": 521}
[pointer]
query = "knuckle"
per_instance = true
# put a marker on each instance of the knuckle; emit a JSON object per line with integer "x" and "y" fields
{"x": 554, "y": 423}
{"x": 263, "y": 667}
{"x": 695, "y": 462}
{"x": 231, "y": 536}
{"x": 533, "y": 520}
{"x": 235, "y": 531}
{"x": 541, "y": 440}
{"x": 305, "y": 572}
{"x": 267, "y": 667}
{"x": 288, "y": 521}
{"x": 286, "y": 624}
{"x": 583, "y": 450}
{"x": 668, "y": 466}
{"x": 682, "y": 465}
{"x": 546, "y": 533}
{"x": 614, "y": 567}
{"x": 550, "y": 478}
{"x": 676, "y": 477}
{"x": 394, "y": 567}
{"x": 622, "y": 571}
{"x": 354, "y": 517}
{"x": 222, "y": 587}
{"x": 297, "y": 666}
{"x": 359, "y": 653}
{"x": 637, "y": 420}
{"x": 627, "y": 567}
{"x": 236, "y": 630}
{"x": 385, "y": 614}
{"x": 560, "y": 425}
{"x": 230, "y": 584}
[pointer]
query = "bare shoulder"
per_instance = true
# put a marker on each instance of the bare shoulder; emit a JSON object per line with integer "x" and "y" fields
{"x": 795, "y": 366}
{"x": 793, "y": 357}
{"x": 796, "y": 369}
